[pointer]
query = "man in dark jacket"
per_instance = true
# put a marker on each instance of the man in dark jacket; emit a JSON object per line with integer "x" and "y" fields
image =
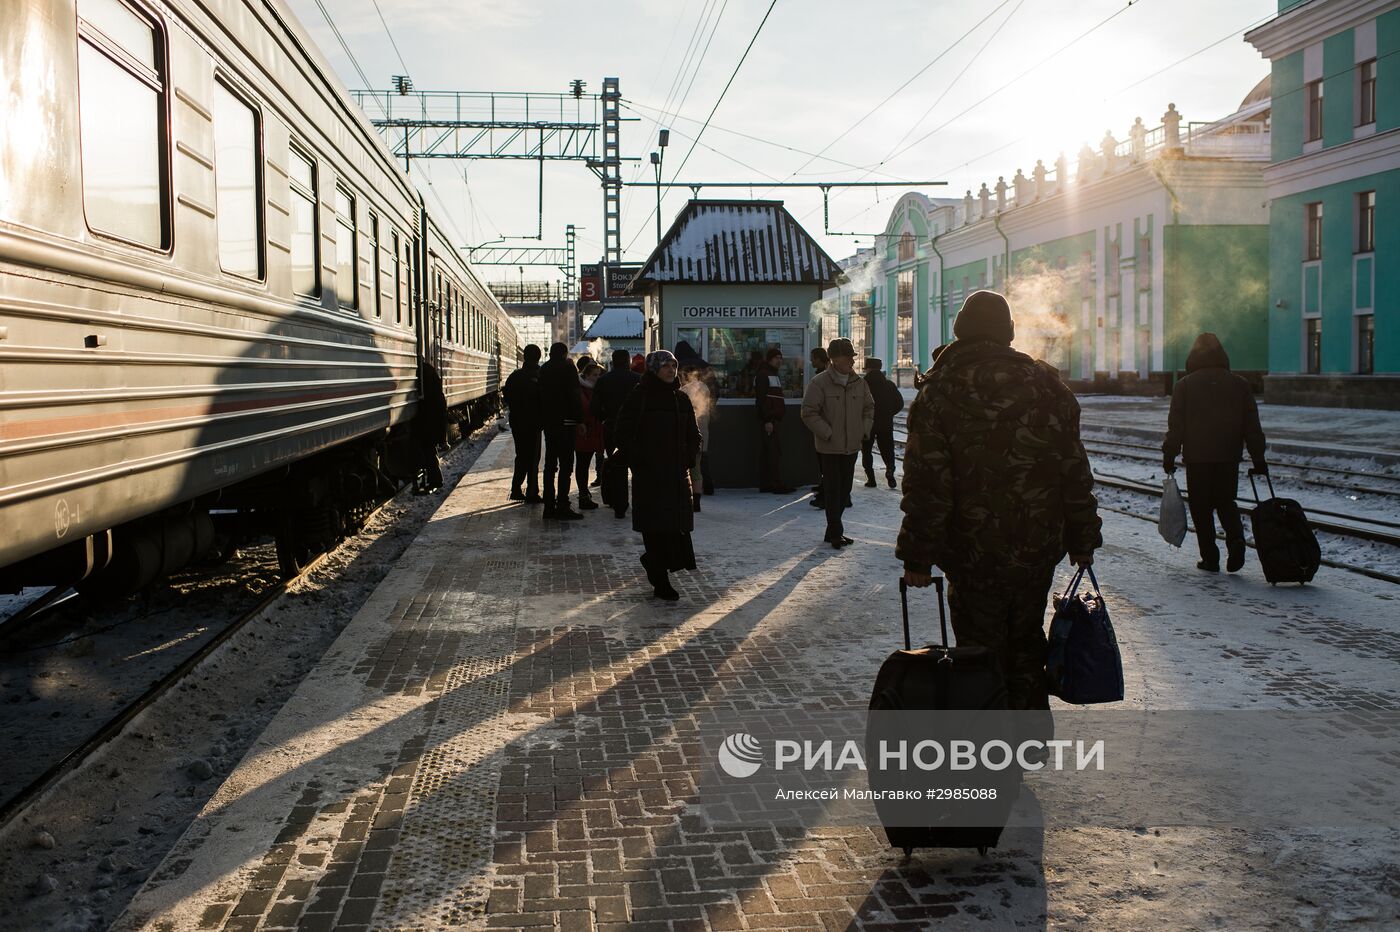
{"x": 522, "y": 397}
{"x": 1213, "y": 418}
{"x": 563, "y": 412}
{"x": 608, "y": 395}
{"x": 889, "y": 401}
{"x": 768, "y": 399}
{"x": 997, "y": 488}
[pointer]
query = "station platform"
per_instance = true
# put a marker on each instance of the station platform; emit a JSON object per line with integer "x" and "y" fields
{"x": 500, "y": 739}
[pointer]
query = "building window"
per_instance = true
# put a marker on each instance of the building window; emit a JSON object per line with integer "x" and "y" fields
{"x": 862, "y": 332}
{"x": 1366, "y": 221}
{"x": 1312, "y": 243}
{"x": 1365, "y": 344}
{"x": 1111, "y": 284}
{"x": 346, "y": 292}
{"x": 306, "y": 245}
{"x": 1142, "y": 264}
{"x": 737, "y": 355}
{"x": 121, "y": 106}
{"x": 377, "y": 286}
{"x": 906, "y": 247}
{"x": 904, "y": 321}
{"x": 1314, "y": 114}
{"x": 1366, "y": 93}
{"x": 238, "y": 183}
{"x": 1312, "y": 336}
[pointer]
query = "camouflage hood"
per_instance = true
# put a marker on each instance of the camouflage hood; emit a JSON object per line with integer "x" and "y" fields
{"x": 997, "y": 485}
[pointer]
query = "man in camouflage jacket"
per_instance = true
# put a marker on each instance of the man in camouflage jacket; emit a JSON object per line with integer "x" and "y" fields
{"x": 997, "y": 489}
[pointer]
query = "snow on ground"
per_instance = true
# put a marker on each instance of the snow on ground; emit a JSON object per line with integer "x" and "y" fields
{"x": 75, "y": 858}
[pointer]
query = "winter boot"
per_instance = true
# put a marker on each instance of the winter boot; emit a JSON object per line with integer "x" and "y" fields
{"x": 870, "y": 478}
{"x": 1234, "y": 559}
{"x": 585, "y": 501}
{"x": 889, "y": 477}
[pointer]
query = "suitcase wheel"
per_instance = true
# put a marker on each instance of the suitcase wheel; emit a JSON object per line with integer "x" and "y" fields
{"x": 982, "y": 850}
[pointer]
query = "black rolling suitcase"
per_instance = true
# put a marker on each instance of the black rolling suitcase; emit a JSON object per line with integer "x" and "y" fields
{"x": 614, "y": 485}
{"x": 932, "y": 678}
{"x": 1288, "y": 548}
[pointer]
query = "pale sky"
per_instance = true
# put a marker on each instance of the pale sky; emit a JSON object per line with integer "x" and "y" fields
{"x": 816, "y": 69}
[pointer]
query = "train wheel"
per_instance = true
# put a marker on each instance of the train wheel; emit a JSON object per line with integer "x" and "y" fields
{"x": 294, "y": 554}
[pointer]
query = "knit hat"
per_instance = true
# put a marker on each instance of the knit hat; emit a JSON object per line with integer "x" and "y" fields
{"x": 985, "y": 315}
{"x": 531, "y": 353}
{"x": 841, "y": 347}
{"x": 583, "y": 362}
{"x": 772, "y": 351}
{"x": 872, "y": 364}
{"x": 639, "y": 363}
{"x": 558, "y": 351}
{"x": 621, "y": 359}
{"x": 657, "y": 359}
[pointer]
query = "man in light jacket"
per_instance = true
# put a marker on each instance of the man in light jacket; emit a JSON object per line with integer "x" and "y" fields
{"x": 839, "y": 411}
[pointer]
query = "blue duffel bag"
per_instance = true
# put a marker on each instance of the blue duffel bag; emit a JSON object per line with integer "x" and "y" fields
{"x": 1083, "y": 665}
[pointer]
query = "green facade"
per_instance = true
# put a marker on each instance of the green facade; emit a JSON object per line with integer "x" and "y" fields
{"x": 1342, "y": 283}
{"x": 1338, "y": 296}
{"x": 1217, "y": 279}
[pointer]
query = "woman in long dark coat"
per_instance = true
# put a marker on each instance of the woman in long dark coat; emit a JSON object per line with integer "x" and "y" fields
{"x": 657, "y": 433}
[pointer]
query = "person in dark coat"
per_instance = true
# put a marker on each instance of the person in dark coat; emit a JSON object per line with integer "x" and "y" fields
{"x": 768, "y": 398}
{"x": 889, "y": 401}
{"x": 563, "y": 412}
{"x": 608, "y": 395}
{"x": 997, "y": 489}
{"x": 656, "y": 431}
{"x": 429, "y": 429}
{"x": 820, "y": 361}
{"x": 522, "y": 397}
{"x": 1213, "y": 418}
{"x": 588, "y": 436}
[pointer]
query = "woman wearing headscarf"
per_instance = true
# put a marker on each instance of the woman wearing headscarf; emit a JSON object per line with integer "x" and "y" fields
{"x": 656, "y": 431}
{"x": 588, "y": 441}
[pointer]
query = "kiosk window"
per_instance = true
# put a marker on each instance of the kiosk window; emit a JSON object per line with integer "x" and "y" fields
{"x": 736, "y": 353}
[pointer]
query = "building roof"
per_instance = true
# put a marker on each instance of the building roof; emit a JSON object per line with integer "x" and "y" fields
{"x": 617, "y": 323}
{"x": 737, "y": 242}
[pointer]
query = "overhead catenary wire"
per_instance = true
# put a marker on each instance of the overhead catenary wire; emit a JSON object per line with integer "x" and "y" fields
{"x": 1124, "y": 89}
{"x": 734, "y": 74}
{"x": 345, "y": 47}
{"x": 894, "y": 93}
{"x": 395, "y": 45}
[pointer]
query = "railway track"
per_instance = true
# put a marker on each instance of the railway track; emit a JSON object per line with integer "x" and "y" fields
{"x": 32, "y": 616}
{"x": 1332, "y": 522}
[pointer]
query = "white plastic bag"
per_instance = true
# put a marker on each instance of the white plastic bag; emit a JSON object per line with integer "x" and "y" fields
{"x": 1171, "y": 521}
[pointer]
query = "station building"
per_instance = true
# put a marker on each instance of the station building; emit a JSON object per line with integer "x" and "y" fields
{"x": 1334, "y": 192}
{"x": 1113, "y": 263}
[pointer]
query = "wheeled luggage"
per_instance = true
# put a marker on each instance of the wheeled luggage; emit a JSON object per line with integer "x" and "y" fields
{"x": 940, "y": 678}
{"x": 1288, "y": 548}
{"x": 1083, "y": 665}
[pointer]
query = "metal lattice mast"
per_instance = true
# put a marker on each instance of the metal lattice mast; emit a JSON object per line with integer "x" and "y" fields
{"x": 571, "y": 271}
{"x": 611, "y": 173}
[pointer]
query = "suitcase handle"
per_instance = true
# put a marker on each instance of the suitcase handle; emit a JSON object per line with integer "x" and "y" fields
{"x": 942, "y": 615}
{"x": 1267, "y": 478}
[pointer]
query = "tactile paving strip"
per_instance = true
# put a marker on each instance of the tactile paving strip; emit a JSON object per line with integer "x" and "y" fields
{"x": 436, "y": 878}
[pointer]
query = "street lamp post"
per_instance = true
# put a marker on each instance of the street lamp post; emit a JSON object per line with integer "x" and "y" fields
{"x": 657, "y": 157}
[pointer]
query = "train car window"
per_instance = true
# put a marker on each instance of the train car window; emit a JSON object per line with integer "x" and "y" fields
{"x": 378, "y": 285}
{"x": 447, "y": 312}
{"x": 238, "y": 183}
{"x": 121, "y": 116}
{"x": 346, "y": 290}
{"x": 398, "y": 277}
{"x": 306, "y": 240}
